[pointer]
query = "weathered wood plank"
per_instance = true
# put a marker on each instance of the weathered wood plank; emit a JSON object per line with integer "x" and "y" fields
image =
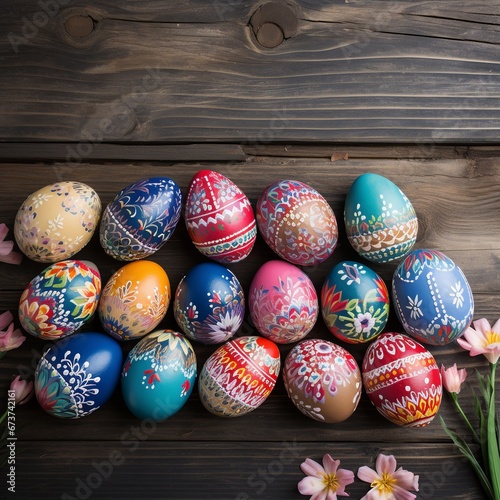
{"x": 220, "y": 471}
{"x": 351, "y": 72}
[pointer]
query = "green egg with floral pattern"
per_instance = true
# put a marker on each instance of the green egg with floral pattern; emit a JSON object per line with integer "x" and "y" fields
{"x": 354, "y": 302}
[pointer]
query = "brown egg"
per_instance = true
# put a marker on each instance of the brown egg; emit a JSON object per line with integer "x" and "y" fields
{"x": 323, "y": 380}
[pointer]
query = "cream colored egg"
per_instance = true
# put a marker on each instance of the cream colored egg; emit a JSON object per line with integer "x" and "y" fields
{"x": 57, "y": 221}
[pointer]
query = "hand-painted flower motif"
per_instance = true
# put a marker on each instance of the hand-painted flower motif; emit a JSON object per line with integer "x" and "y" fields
{"x": 324, "y": 482}
{"x": 414, "y": 307}
{"x": 388, "y": 483}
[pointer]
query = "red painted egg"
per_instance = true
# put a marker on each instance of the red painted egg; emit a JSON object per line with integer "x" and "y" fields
{"x": 402, "y": 380}
{"x": 219, "y": 218}
{"x": 239, "y": 376}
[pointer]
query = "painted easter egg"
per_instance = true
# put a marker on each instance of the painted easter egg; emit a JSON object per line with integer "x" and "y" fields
{"x": 380, "y": 221}
{"x": 158, "y": 375}
{"x": 78, "y": 375}
{"x": 432, "y": 297}
{"x": 402, "y": 380}
{"x": 354, "y": 302}
{"x": 209, "y": 304}
{"x": 297, "y": 222}
{"x": 57, "y": 221}
{"x": 323, "y": 380}
{"x": 219, "y": 218}
{"x": 61, "y": 299}
{"x": 141, "y": 218}
{"x": 283, "y": 302}
{"x": 134, "y": 300}
{"x": 239, "y": 376}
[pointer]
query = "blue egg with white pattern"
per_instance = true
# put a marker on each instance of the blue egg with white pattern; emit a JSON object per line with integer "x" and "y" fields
{"x": 158, "y": 375}
{"x": 380, "y": 220}
{"x": 209, "y": 303}
{"x": 432, "y": 297}
{"x": 141, "y": 218}
{"x": 78, "y": 374}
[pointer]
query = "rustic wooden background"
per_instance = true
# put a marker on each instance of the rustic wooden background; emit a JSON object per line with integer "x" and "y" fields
{"x": 107, "y": 93}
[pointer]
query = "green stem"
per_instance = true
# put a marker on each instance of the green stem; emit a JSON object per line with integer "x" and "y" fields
{"x": 454, "y": 397}
{"x": 492, "y": 443}
{"x": 2, "y": 418}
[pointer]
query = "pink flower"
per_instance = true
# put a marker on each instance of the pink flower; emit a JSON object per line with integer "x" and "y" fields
{"x": 388, "y": 483}
{"x": 23, "y": 390}
{"x": 10, "y": 338}
{"x": 483, "y": 340}
{"x": 453, "y": 378}
{"x": 324, "y": 483}
{"x": 7, "y": 254}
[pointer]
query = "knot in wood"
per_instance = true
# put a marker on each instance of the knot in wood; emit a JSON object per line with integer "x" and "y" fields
{"x": 272, "y": 23}
{"x": 79, "y": 26}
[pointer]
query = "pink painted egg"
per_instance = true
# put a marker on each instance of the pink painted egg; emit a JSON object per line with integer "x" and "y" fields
{"x": 323, "y": 380}
{"x": 219, "y": 218}
{"x": 239, "y": 376}
{"x": 297, "y": 222}
{"x": 283, "y": 302}
{"x": 402, "y": 380}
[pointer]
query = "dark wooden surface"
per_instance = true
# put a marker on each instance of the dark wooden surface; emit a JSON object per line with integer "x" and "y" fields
{"x": 193, "y": 70}
{"x": 197, "y": 455}
{"x": 110, "y": 92}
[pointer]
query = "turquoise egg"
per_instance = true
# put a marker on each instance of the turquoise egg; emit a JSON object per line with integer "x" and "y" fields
{"x": 432, "y": 297}
{"x": 354, "y": 302}
{"x": 380, "y": 221}
{"x": 158, "y": 375}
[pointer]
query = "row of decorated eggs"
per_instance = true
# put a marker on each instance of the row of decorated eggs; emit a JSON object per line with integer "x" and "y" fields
{"x": 432, "y": 298}
{"x": 77, "y": 375}
{"x": 57, "y": 221}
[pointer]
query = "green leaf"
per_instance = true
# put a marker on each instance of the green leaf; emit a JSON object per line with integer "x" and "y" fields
{"x": 466, "y": 451}
{"x": 492, "y": 443}
{"x": 352, "y": 304}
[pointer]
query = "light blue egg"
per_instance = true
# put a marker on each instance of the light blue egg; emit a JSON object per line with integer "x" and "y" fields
{"x": 354, "y": 302}
{"x": 158, "y": 375}
{"x": 432, "y": 297}
{"x": 380, "y": 221}
{"x": 78, "y": 374}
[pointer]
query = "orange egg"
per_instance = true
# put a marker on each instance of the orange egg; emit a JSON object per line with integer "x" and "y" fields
{"x": 135, "y": 300}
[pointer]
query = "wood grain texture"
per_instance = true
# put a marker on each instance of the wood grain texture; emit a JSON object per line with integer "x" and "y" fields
{"x": 359, "y": 71}
{"x": 197, "y": 455}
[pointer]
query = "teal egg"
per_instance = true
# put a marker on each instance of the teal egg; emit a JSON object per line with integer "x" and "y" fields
{"x": 158, "y": 375}
{"x": 380, "y": 221}
{"x": 354, "y": 302}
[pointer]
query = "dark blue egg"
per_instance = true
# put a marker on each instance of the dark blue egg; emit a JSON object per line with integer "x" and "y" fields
{"x": 209, "y": 304}
{"x": 432, "y": 297}
{"x": 141, "y": 218}
{"x": 78, "y": 374}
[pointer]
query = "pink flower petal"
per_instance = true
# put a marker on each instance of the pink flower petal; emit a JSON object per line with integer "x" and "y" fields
{"x": 402, "y": 494}
{"x": 366, "y": 474}
{"x": 385, "y": 463}
{"x": 3, "y": 231}
{"x": 373, "y": 494}
{"x": 6, "y": 247}
{"x": 5, "y": 319}
{"x": 322, "y": 495}
{"x": 496, "y": 326}
{"x": 481, "y": 326}
{"x": 312, "y": 468}
{"x": 12, "y": 258}
{"x": 405, "y": 479}
{"x": 331, "y": 495}
{"x": 330, "y": 465}
{"x": 311, "y": 485}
